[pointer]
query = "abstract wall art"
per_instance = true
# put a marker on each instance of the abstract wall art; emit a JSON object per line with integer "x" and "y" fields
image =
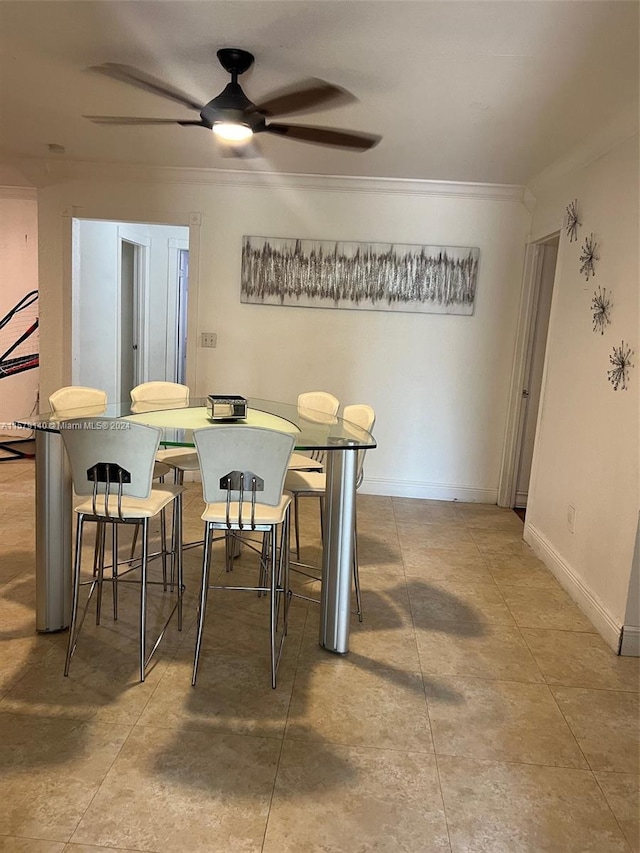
{"x": 601, "y": 309}
{"x": 589, "y": 257}
{"x": 620, "y": 358}
{"x": 365, "y": 276}
{"x": 572, "y": 221}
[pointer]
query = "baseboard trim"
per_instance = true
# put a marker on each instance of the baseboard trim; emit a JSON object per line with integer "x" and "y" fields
{"x": 584, "y": 597}
{"x": 630, "y": 644}
{"x": 430, "y": 491}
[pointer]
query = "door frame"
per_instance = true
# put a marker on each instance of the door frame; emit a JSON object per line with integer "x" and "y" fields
{"x": 129, "y": 234}
{"x": 122, "y": 213}
{"x": 534, "y": 256}
{"x": 173, "y": 301}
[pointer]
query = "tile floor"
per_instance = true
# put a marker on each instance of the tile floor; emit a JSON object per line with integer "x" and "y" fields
{"x": 476, "y": 711}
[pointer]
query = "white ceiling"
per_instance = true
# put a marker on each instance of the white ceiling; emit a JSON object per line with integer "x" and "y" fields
{"x": 465, "y": 91}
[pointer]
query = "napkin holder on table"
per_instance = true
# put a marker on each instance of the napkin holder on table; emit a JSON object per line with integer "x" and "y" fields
{"x": 226, "y": 407}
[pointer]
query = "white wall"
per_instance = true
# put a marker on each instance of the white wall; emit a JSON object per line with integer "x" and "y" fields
{"x": 18, "y": 276}
{"x": 97, "y": 306}
{"x": 439, "y": 383}
{"x": 587, "y": 441}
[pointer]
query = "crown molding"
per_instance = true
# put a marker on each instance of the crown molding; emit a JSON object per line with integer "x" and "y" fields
{"x": 24, "y": 193}
{"x": 48, "y": 172}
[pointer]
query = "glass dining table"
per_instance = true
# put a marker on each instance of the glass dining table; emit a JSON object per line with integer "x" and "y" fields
{"x": 337, "y": 438}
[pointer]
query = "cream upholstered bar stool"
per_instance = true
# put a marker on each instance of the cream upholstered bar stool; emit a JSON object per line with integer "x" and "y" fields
{"x": 313, "y": 484}
{"x": 319, "y": 407}
{"x": 73, "y": 397}
{"x": 79, "y": 400}
{"x": 112, "y": 465}
{"x": 167, "y": 395}
{"x": 243, "y": 471}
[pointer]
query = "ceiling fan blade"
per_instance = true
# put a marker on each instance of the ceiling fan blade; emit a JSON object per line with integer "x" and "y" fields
{"x": 122, "y": 120}
{"x": 142, "y": 80}
{"x": 304, "y": 97}
{"x": 326, "y": 136}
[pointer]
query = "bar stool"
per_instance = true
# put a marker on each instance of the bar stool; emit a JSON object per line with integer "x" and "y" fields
{"x": 112, "y": 465}
{"x": 77, "y": 400}
{"x": 167, "y": 395}
{"x": 319, "y": 407}
{"x": 243, "y": 470}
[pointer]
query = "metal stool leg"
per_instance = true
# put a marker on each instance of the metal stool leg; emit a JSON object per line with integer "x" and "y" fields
{"x": 76, "y": 593}
{"x": 206, "y": 568}
{"x": 143, "y": 596}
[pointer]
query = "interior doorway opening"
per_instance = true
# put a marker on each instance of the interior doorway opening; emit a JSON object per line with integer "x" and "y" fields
{"x": 534, "y": 365}
{"x": 539, "y": 276}
{"x": 129, "y": 304}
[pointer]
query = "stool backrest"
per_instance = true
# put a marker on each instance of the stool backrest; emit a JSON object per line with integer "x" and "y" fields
{"x": 110, "y": 443}
{"x": 172, "y": 395}
{"x": 318, "y": 406}
{"x": 92, "y": 401}
{"x": 264, "y": 453}
{"x": 364, "y": 417}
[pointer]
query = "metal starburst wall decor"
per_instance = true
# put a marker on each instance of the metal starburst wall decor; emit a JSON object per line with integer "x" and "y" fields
{"x": 601, "y": 308}
{"x": 620, "y": 358}
{"x": 589, "y": 257}
{"x": 573, "y": 223}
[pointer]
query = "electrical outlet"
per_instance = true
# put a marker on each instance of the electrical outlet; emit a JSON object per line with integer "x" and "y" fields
{"x": 209, "y": 339}
{"x": 571, "y": 518}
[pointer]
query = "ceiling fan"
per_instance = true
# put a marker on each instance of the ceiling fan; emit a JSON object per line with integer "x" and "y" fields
{"x": 235, "y": 119}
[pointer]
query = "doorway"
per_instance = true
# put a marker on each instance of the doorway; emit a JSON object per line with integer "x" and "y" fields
{"x": 539, "y": 276}
{"x": 129, "y": 304}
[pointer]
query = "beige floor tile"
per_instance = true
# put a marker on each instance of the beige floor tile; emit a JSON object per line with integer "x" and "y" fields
{"x": 503, "y": 520}
{"x": 575, "y": 659}
{"x": 16, "y": 559}
{"x": 528, "y": 571}
{"x": 498, "y": 540}
{"x": 456, "y": 601}
{"x": 496, "y": 544}
{"x": 383, "y": 637}
{"x": 494, "y": 651}
{"x": 440, "y": 564}
{"x": 481, "y": 510}
{"x": 411, "y": 511}
{"x": 20, "y": 653}
{"x": 53, "y": 768}
{"x": 382, "y": 592}
{"x": 377, "y": 551}
{"x": 11, "y": 844}
{"x": 342, "y": 799}
{"x": 360, "y": 705}
{"x": 499, "y": 720}
{"x": 516, "y": 808}
{"x": 103, "y": 685}
{"x": 231, "y": 695}
{"x": 533, "y": 607}
{"x": 606, "y": 724}
{"x": 237, "y": 626}
{"x": 622, "y": 791}
{"x": 175, "y": 791}
{"x": 443, "y": 535}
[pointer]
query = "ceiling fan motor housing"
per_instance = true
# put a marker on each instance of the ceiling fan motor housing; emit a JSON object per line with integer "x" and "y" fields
{"x": 232, "y": 105}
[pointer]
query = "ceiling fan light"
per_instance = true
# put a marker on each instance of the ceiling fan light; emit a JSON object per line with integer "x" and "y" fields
{"x": 232, "y": 131}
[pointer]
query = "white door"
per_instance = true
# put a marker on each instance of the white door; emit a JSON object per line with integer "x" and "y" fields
{"x": 181, "y": 331}
{"x": 534, "y": 367}
{"x": 128, "y": 317}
